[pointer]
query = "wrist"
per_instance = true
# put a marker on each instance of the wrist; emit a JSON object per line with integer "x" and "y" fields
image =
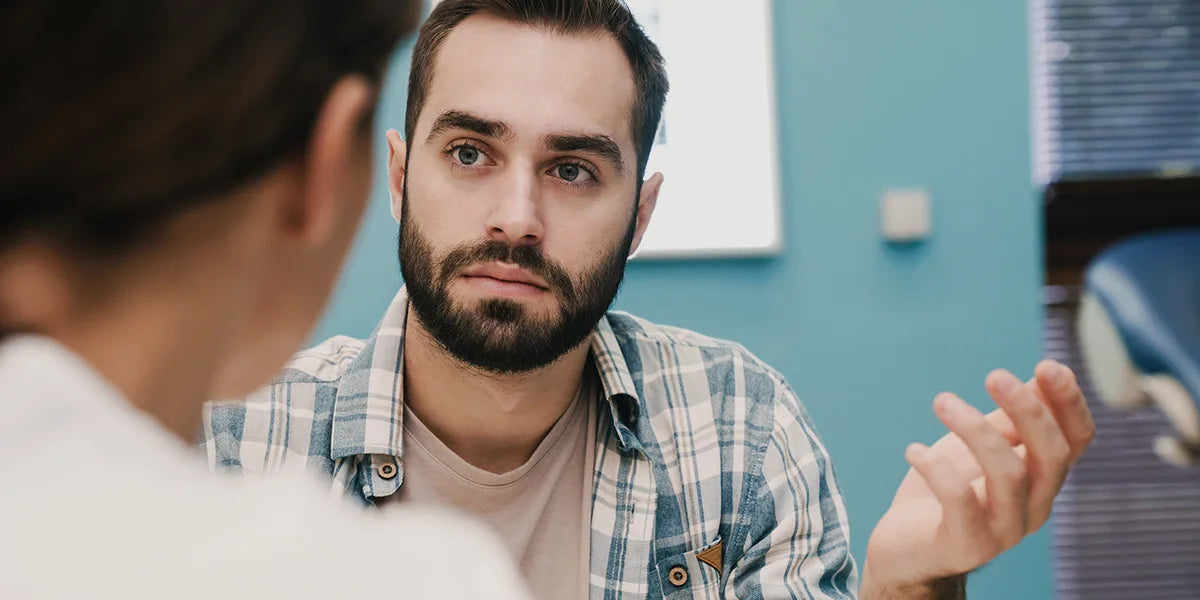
{"x": 953, "y": 587}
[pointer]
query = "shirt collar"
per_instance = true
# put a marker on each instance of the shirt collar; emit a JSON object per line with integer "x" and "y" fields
{"x": 368, "y": 412}
{"x": 619, "y": 388}
{"x": 36, "y": 368}
{"x": 46, "y": 387}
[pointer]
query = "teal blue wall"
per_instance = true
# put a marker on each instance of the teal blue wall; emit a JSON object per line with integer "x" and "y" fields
{"x": 872, "y": 94}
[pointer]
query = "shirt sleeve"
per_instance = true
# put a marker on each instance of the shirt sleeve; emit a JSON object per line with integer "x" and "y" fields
{"x": 798, "y": 546}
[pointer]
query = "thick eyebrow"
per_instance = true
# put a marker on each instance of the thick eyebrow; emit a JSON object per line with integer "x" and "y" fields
{"x": 457, "y": 119}
{"x": 600, "y": 145}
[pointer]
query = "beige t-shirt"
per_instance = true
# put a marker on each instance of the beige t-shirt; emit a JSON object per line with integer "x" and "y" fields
{"x": 542, "y": 509}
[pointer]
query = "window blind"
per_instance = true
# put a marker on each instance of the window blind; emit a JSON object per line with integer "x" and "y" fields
{"x": 1117, "y": 89}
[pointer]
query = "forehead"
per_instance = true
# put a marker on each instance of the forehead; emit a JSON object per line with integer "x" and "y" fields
{"x": 536, "y": 80}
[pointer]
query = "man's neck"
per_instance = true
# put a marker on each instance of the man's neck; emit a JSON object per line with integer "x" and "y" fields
{"x": 494, "y": 422}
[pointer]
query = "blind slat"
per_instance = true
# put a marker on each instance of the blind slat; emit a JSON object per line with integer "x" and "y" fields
{"x": 1135, "y": 132}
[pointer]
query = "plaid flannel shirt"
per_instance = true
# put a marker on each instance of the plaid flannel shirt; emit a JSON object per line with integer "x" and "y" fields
{"x": 705, "y": 461}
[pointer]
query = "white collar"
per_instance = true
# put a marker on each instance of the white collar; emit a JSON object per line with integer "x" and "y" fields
{"x": 47, "y": 387}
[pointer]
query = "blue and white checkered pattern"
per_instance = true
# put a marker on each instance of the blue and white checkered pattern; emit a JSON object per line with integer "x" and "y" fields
{"x": 703, "y": 445}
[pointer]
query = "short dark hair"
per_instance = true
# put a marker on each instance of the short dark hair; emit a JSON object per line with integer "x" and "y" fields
{"x": 118, "y": 115}
{"x": 561, "y": 16}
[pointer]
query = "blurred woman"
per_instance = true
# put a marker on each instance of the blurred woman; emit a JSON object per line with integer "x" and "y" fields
{"x": 179, "y": 184}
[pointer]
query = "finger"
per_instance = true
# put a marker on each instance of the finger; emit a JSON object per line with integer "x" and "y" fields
{"x": 1000, "y": 421}
{"x": 1047, "y": 451}
{"x": 1060, "y": 390}
{"x": 961, "y": 510}
{"x": 953, "y": 448}
{"x": 1005, "y": 473}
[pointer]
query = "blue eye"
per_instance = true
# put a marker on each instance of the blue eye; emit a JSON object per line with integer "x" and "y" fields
{"x": 573, "y": 173}
{"x": 466, "y": 155}
{"x": 568, "y": 172}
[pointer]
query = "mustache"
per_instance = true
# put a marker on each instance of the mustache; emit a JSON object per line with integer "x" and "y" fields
{"x": 529, "y": 258}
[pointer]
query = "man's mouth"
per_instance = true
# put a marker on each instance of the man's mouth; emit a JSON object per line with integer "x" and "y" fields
{"x": 504, "y": 279}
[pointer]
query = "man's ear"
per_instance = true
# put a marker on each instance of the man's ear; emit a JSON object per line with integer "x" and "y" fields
{"x": 397, "y": 153}
{"x": 646, "y": 203}
{"x": 338, "y": 162}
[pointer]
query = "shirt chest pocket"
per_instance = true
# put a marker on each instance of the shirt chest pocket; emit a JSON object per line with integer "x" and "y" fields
{"x": 694, "y": 575}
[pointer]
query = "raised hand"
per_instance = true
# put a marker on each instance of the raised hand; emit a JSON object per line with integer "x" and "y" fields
{"x": 982, "y": 487}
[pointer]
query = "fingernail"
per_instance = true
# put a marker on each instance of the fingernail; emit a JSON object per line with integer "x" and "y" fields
{"x": 1006, "y": 383}
{"x": 1057, "y": 373}
{"x": 942, "y": 402}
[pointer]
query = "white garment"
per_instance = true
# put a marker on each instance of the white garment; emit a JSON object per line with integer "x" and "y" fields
{"x": 99, "y": 501}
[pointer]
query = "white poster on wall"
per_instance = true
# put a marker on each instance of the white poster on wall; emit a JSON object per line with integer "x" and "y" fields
{"x": 717, "y": 145}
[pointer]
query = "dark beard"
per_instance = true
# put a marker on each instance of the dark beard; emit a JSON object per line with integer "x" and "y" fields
{"x": 497, "y": 335}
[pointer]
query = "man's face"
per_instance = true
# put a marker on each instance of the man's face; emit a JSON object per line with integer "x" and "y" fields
{"x": 519, "y": 203}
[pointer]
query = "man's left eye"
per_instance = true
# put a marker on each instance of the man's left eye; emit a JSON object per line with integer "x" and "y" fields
{"x": 572, "y": 173}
